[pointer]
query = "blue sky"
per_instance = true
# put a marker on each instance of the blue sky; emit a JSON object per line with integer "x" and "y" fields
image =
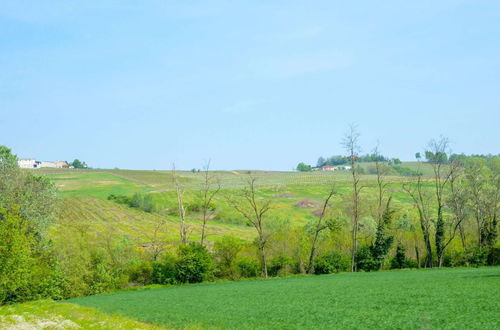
{"x": 248, "y": 84}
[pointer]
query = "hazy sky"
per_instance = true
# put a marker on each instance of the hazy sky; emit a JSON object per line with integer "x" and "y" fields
{"x": 249, "y": 84}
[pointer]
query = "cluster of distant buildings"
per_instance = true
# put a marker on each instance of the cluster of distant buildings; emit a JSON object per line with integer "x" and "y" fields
{"x": 33, "y": 163}
{"x": 332, "y": 168}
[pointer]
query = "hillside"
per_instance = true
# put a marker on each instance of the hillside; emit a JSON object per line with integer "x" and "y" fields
{"x": 102, "y": 182}
{"x": 101, "y": 218}
{"x": 296, "y": 198}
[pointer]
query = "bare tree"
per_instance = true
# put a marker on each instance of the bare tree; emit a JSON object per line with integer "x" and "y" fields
{"x": 382, "y": 170}
{"x": 318, "y": 228}
{"x": 254, "y": 210}
{"x": 156, "y": 244}
{"x": 421, "y": 201}
{"x": 437, "y": 156}
{"x": 180, "y": 204}
{"x": 211, "y": 187}
{"x": 483, "y": 182}
{"x": 457, "y": 203}
{"x": 351, "y": 145}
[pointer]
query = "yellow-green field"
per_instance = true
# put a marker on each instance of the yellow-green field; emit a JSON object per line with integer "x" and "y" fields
{"x": 295, "y": 197}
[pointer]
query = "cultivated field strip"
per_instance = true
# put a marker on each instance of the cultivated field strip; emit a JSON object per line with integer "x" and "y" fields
{"x": 101, "y": 217}
{"x": 130, "y": 181}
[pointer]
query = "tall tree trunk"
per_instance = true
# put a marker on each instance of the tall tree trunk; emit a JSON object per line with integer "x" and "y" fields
{"x": 263, "y": 259}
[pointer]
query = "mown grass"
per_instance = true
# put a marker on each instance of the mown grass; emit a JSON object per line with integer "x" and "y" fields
{"x": 47, "y": 314}
{"x": 447, "y": 298}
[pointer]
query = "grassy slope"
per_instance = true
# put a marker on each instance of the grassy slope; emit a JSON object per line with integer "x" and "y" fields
{"x": 449, "y": 298}
{"x": 46, "y": 314}
{"x": 100, "y": 217}
{"x": 100, "y": 182}
{"x": 84, "y": 201}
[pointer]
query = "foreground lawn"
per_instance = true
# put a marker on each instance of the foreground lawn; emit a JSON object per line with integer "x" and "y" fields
{"x": 450, "y": 298}
{"x": 46, "y": 314}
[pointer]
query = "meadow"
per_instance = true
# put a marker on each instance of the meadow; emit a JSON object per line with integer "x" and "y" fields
{"x": 418, "y": 299}
{"x": 296, "y": 196}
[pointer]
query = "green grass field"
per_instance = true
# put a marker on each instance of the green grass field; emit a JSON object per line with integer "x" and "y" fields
{"x": 417, "y": 299}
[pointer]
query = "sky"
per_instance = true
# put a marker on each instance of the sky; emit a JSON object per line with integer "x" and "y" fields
{"x": 246, "y": 84}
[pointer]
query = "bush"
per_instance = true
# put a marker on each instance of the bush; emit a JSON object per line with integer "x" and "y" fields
{"x": 411, "y": 263}
{"x": 144, "y": 202}
{"x": 142, "y": 273}
{"x": 478, "y": 257}
{"x": 399, "y": 260}
{"x": 332, "y": 262}
{"x": 194, "y": 264}
{"x": 494, "y": 257}
{"x": 27, "y": 269}
{"x": 405, "y": 171}
{"x": 225, "y": 253}
{"x": 248, "y": 267}
{"x": 120, "y": 199}
{"x": 280, "y": 266}
{"x": 364, "y": 259}
{"x": 163, "y": 272}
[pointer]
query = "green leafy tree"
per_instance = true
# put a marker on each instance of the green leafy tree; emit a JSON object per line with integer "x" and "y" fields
{"x": 34, "y": 195}
{"x": 301, "y": 167}
{"x": 383, "y": 239}
{"x": 399, "y": 260}
{"x": 226, "y": 253}
{"x": 78, "y": 164}
{"x": 16, "y": 256}
{"x": 194, "y": 264}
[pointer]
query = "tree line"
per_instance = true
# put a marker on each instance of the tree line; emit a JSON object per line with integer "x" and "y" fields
{"x": 452, "y": 221}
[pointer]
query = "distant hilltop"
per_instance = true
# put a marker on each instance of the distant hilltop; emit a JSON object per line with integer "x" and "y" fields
{"x": 33, "y": 163}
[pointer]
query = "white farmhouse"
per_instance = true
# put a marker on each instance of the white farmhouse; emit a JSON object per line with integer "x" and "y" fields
{"x": 48, "y": 164}
{"x": 33, "y": 163}
{"x": 27, "y": 163}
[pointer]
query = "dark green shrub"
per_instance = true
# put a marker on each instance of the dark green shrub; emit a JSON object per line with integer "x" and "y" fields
{"x": 248, "y": 267}
{"x": 399, "y": 260}
{"x": 456, "y": 258}
{"x": 164, "y": 271}
{"x": 331, "y": 262}
{"x": 478, "y": 257}
{"x": 142, "y": 273}
{"x": 411, "y": 263}
{"x": 194, "y": 264}
{"x": 196, "y": 207}
{"x": 364, "y": 259}
{"x": 494, "y": 257}
{"x": 137, "y": 200}
{"x": 280, "y": 266}
{"x": 120, "y": 199}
